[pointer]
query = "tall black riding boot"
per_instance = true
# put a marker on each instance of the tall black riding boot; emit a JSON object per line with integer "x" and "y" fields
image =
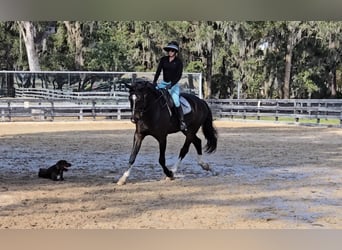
{"x": 181, "y": 118}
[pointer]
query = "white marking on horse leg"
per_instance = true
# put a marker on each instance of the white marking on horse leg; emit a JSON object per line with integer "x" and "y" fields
{"x": 175, "y": 167}
{"x": 124, "y": 177}
{"x": 203, "y": 164}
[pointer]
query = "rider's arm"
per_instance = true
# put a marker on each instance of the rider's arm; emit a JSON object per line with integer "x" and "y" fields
{"x": 178, "y": 73}
{"x": 156, "y": 76}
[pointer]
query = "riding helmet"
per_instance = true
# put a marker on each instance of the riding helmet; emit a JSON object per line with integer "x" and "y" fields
{"x": 172, "y": 45}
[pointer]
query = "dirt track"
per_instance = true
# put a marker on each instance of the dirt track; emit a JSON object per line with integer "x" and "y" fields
{"x": 269, "y": 176}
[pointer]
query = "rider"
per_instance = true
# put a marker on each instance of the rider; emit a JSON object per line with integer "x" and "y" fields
{"x": 172, "y": 67}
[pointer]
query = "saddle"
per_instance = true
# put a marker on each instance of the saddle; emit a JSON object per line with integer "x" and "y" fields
{"x": 185, "y": 105}
{"x": 169, "y": 102}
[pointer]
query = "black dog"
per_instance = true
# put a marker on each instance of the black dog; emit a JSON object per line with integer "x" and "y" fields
{"x": 54, "y": 171}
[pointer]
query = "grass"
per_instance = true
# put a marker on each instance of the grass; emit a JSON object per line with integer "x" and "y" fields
{"x": 328, "y": 122}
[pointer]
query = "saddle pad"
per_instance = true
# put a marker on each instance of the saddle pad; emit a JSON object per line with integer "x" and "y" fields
{"x": 185, "y": 105}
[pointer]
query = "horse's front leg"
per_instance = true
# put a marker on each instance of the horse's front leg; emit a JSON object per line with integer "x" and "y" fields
{"x": 137, "y": 140}
{"x": 162, "y": 149}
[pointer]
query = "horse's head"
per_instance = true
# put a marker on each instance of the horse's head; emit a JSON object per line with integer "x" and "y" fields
{"x": 140, "y": 96}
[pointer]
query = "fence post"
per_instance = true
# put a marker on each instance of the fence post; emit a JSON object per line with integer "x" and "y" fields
{"x": 52, "y": 112}
{"x": 93, "y": 110}
{"x": 258, "y": 111}
{"x": 2, "y": 115}
{"x": 9, "y": 111}
{"x": 119, "y": 114}
{"x": 231, "y": 109}
{"x": 277, "y": 111}
{"x": 80, "y": 117}
{"x": 295, "y": 112}
{"x": 318, "y": 113}
{"x": 244, "y": 111}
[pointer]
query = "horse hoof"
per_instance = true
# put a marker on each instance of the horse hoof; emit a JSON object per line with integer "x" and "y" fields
{"x": 214, "y": 173}
{"x": 121, "y": 182}
{"x": 206, "y": 166}
{"x": 167, "y": 178}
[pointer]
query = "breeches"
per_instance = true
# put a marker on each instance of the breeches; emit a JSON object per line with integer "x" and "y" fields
{"x": 174, "y": 91}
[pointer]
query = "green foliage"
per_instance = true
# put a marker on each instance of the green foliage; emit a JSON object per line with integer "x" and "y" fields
{"x": 12, "y": 49}
{"x": 249, "y": 54}
{"x": 194, "y": 66}
{"x": 110, "y": 51}
{"x": 303, "y": 85}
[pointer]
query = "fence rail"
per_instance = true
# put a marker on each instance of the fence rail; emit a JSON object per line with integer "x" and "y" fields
{"x": 118, "y": 96}
{"x": 80, "y": 81}
{"x": 49, "y": 109}
{"x": 117, "y": 107}
{"x": 297, "y": 109}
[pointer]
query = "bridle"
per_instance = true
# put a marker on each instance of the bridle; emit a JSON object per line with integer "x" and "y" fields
{"x": 145, "y": 109}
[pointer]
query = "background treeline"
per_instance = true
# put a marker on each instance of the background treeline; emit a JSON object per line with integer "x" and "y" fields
{"x": 265, "y": 59}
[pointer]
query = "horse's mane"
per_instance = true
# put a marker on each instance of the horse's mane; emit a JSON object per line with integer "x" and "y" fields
{"x": 144, "y": 85}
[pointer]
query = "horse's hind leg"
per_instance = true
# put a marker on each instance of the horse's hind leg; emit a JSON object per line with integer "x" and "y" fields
{"x": 191, "y": 138}
{"x": 198, "y": 145}
{"x": 162, "y": 149}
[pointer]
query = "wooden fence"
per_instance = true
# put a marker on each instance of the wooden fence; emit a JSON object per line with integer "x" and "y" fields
{"x": 49, "y": 109}
{"x": 116, "y": 107}
{"x": 118, "y": 96}
{"x": 47, "y": 104}
{"x": 317, "y": 109}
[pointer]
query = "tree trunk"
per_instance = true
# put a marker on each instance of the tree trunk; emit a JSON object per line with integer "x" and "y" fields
{"x": 332, "y": 82}
{"x": 332, "y": 73}
{"x": 268, "y": 83}
{"x": 288, "y": 66}
{"x": 209, "y": 59}
{"x": 27, "y": 31}
{"x": 75, "y": 41}
{"x": 295, "y": 31}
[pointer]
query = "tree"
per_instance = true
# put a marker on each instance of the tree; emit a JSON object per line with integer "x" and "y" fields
{"x": 294, "y": 33}
{"x": 75, "y": 41}
{"x": 27, "y": 31}
{"x": 109, "y": 48}
{"x": 330, "y": 34}
{"x": 273, "y": 59}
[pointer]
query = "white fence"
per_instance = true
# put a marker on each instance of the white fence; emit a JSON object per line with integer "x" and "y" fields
{"x": 51, "y": 94}
{"x": 17, "y": 109}
{"x": 115, "y": 96}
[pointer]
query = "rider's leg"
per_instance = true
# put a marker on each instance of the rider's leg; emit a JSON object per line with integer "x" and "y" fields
{"x": 162, "y": 85}
{"x": 181, "y": 118}
{"x": 175, "y": 91}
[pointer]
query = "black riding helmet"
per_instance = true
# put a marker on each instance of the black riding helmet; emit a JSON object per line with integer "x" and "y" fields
{"x": 172, "y": 45}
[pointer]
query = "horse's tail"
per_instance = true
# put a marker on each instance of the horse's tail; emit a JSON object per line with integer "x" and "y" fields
{"x": 210, "y": 133}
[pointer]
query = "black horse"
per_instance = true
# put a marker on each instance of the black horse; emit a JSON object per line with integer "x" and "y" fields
{"x": 153, "y": 115}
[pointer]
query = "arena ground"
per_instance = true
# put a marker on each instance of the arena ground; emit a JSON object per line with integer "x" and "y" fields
{"x": 267, "y": 176}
